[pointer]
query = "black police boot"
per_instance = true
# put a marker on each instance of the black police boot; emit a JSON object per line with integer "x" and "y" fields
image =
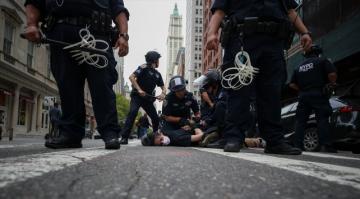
{"x": 124, "y": 141}
{"x": 62, "y": 142}
{"x": 232, "y": 146}
{"x": 328, "y": 149}
{"x": 282, "y": 148}
{"x": 112, "y": 144}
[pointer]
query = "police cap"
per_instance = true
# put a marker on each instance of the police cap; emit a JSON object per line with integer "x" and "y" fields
{"x": 152, "y": 57}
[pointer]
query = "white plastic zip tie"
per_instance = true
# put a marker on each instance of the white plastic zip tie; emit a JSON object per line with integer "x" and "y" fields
{"x": 242, "y": 74}
{"x": 89, "y": 41}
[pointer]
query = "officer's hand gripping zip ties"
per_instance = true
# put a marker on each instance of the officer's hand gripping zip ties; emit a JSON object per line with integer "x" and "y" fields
{"x": 242, "y": 74}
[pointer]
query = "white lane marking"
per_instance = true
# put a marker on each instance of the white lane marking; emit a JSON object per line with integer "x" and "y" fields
{"x": 134, "y": 143}
{"x": 324, "y": 155}
{"x": 321, "y": 155}
{"x": 17, "y": 169}
{"x": 333, "y": 173}
{"x": 6, "y": 146}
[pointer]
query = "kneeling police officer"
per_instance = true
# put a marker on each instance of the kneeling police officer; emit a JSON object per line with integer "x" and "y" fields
{"x": 213, "y": 101}
{"x": 177, "y": 107}
{"x": 315, "y": 79}
{"x": 63, "y": 20}
{"x": 144, "y": 80}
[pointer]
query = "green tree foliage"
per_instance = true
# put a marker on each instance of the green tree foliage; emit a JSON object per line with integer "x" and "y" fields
{"x": 122, "y": 106}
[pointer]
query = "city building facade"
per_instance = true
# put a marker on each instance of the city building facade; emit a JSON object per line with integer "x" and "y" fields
{"x": 210, "y": 59}
{"x": 179, "y": 68}
{"x": 27, "y": 88}
{"x": 194, "y": 43}
{"x": 119, "y": 85}
{"x": 174, "y": 41}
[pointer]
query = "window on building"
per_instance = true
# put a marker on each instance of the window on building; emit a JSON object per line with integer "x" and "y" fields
{"x": 30, "y": 54}
{"x": 8, "y": 41}
{"x": 22, "y": 112}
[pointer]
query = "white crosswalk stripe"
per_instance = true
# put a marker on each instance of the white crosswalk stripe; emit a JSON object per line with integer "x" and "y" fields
{"x": 321, "y": 155}
{"x": 21, "y": 168}
{"x": 17, "y": 169}
{"x": 339, "y": 174}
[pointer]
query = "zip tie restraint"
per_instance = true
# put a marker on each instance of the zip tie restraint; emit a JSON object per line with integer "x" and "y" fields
{"x": 89, "y": 41}
{"x": 242, "y": 74}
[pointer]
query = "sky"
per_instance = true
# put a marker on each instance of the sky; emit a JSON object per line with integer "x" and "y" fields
{"x": 148, "y": 30}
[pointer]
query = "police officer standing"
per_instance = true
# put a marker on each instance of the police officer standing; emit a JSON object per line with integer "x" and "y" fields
{"x": 64, "y": 19}
{"x": 144, "y": 81}
{"x": 261, "y": 28}
{"x": 315, "y": 80}
{"x": 178, "y": 105}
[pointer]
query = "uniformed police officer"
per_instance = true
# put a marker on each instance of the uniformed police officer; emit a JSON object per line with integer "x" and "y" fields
{"x": 213, "y": 100}
{"x": 178, "y": 105}
{"x": 260, "y": 27}
{"x": 312, "y": 79}
{"x": 67, "y": 18}
{"x": 144, "y": 80}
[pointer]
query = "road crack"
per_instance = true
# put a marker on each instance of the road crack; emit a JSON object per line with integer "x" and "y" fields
{"x": 135, "y": 182}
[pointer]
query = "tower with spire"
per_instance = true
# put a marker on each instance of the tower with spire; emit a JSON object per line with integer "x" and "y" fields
{"x": 174, "y": 41}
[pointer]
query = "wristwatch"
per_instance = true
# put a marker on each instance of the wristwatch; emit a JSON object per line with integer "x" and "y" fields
{"x": 307, "y": 33}
{"x": 124, "y": 35}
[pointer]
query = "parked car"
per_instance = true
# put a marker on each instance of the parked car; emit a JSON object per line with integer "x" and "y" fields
{"x": 344, "y": 124}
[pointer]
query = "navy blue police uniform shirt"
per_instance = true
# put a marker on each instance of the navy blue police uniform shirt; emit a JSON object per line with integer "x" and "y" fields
{"x": 148, "y": 78}
{"x": 312, "y": 73}
{"x": 267, "y": 9}
{"x": 173, "y": 106}
{"x": 73, "y": 8}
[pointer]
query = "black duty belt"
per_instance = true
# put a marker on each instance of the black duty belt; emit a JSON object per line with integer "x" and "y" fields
{"x": 268, "y": 27}
{"x": 97, "y": 25}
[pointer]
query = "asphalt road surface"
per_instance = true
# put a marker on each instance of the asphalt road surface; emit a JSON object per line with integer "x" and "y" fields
{"x": 28, "y": 170}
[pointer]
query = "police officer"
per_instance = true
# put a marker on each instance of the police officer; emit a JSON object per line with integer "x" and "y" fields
{"x": 312, "y": 79}
{"x": 260, "y": 27}
{"x": 144, "y": 80}
{"x": 213, "y": 100}
{"x": 67, "y": 18}
{"x": 178, "y": 105}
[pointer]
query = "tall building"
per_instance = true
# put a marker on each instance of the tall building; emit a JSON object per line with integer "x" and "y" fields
{"x": 335, "y": 26}
{"x": 27, "y": 88}
{"x": 119, "y": 85}
{"x": 210, "y": 59}
{"x": 179, "y": 68}
{"x": 174, "y": 41}
{"x": 194, "y": 45}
